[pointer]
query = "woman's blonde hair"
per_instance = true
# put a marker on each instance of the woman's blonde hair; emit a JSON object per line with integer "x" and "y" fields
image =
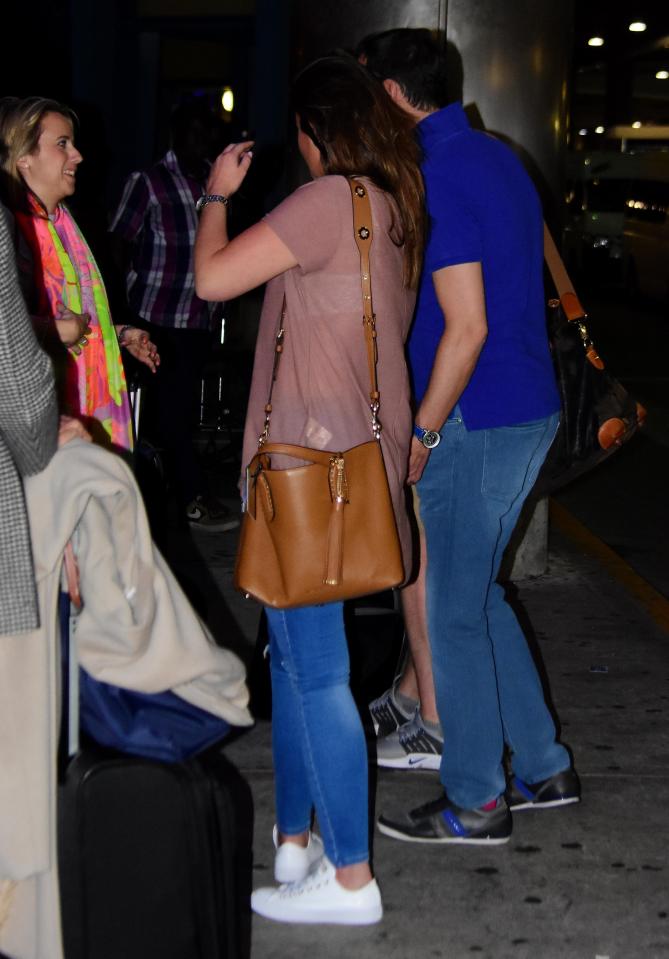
{"x": 20, "y": 130}
{"x": 360, "y": 131}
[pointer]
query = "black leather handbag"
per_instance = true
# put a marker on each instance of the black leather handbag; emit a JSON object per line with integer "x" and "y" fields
{"x": 598, "y": 415}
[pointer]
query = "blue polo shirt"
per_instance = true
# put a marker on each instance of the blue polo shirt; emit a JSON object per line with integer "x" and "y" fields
{"x": 483, "y": 208}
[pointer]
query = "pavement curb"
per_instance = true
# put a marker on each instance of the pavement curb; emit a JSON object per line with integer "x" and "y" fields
{"x": 655, "y": 604}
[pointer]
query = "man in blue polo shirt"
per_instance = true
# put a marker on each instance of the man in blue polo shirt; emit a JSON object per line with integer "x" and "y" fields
{"x": 486, "y": 414}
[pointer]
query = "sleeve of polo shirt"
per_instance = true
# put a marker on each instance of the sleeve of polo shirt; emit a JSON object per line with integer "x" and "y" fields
{"x": 128, "y": 220}
{"x": 309, "y": 221}
{"x": 455, "y": 230}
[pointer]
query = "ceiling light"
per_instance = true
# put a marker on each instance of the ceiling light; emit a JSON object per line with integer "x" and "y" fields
{"x": 662, "y": 75}
{"x": 596, "y": 42}
{"x": 637, "y": 27}
{"x": 228, "y": 100}
{"x": 636, "y": 124}
{"x": 582, "y": 132}
{"x": 599, "y": 129}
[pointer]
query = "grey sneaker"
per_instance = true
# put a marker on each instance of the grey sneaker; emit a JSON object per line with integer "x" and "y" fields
{"x": 390, "y": 711}
{"x": 412, "y": 746}
{"x": 207, "y": 512}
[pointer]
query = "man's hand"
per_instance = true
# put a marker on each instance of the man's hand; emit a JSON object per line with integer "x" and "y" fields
{"x": 70, "y": 428}
{"x": 139, "y": 345}
{"x": 418, "y": 457}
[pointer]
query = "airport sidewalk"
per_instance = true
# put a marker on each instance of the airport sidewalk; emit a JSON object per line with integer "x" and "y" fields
{"x": 585, "y": 882}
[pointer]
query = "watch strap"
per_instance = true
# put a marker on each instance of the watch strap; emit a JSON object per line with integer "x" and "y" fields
{"x": 211, "y": 198}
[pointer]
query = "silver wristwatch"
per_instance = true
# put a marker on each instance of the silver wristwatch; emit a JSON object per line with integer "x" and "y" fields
{"x": 211, "y": 198}
{"x": 429, "y": 438}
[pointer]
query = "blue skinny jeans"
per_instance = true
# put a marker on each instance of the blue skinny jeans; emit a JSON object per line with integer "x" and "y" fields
{"x": 487, "y": 686}
{"x": 318, "y": 743}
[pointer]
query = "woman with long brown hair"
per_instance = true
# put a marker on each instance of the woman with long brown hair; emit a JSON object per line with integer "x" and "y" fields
{"x": 346, "y": 126}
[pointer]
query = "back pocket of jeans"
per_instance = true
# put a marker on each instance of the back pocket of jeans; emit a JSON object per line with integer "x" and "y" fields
{"x": 507, "y": 456}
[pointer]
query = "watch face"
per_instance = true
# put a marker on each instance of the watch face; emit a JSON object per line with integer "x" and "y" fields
{"x": 430, "y": 439}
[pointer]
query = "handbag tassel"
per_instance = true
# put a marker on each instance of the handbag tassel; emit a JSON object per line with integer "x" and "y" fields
{"x": 335, "y": 540}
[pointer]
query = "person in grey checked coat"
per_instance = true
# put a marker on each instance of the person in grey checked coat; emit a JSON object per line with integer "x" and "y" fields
{"x": 28, "y": 439}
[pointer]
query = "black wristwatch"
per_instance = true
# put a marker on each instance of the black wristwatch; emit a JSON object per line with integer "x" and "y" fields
{"x": 211, "y": 198}
{"x": 429, "y": 438}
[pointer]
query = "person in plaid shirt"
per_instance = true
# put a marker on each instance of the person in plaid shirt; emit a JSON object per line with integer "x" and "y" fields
{"x": 154, "y": 229}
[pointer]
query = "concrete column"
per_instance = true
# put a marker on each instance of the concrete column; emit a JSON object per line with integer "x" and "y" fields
{"x": 515, "y": 60}
{"x": 509, "y": 64}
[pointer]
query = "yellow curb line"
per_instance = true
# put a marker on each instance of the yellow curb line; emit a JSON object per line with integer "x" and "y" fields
{"x": 655, "y": 604}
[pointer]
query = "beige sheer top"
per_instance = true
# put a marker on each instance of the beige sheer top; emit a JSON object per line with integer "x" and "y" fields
{"x": 321, "y": 393}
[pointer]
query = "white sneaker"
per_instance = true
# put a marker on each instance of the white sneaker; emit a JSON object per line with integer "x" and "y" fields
{"x": 292, "y": 862}
{"x": 320, "y": 899}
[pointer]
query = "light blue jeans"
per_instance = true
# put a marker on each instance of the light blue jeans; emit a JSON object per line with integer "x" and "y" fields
{"x": 318, "y": 743}
{"x": 487, "y": 686}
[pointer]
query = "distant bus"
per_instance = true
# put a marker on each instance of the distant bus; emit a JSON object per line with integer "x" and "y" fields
{"x": 646, "y": 236}
{"x": 600, "y": 186}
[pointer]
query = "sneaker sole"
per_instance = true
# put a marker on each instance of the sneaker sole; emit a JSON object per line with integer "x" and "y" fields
{"x": 443, "y": 840}
{"x": 322, "y": 917}
{"x": 549, "y": 804}
{"x": 427, "y": 761}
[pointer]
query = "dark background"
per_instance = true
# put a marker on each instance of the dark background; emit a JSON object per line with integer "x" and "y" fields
{"x": 124, "y": 65}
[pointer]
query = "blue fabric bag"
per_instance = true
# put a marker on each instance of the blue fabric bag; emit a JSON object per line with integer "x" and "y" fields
{"x": 155, "y": 725}
{"x": 159, "y": 726}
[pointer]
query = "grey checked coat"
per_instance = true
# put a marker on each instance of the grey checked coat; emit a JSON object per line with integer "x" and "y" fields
{"x": 28, "y": 437}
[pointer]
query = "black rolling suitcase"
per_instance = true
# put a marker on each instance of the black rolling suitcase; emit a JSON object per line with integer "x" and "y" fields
{"x": 155, "y": 858}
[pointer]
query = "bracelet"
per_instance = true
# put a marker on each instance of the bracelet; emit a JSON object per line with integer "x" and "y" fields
{"x": 122, "y": 332}
{"x": 211, "y": 198}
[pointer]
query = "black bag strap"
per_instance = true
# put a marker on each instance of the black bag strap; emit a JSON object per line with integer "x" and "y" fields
{"x": 363, "y": 234}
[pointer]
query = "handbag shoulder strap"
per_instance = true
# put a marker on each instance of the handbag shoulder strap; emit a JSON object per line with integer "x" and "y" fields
{"x": 278, "y": 350}
{"x": 363, "y": 234}
{"x": 571, "y": 304}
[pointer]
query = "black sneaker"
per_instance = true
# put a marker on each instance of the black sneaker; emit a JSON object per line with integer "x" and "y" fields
{"x": 562, "y": 789}
{"x": 388, "y": 713}
{"x": 441, "y": 821}
{"x": 207, "y": 512}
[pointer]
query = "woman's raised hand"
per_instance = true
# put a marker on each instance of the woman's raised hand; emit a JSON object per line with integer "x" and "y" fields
{"x": 229, "y": 168}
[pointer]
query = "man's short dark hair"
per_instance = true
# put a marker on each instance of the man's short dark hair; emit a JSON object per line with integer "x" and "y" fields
{"x": 185, "y": 115}
{"x": 414, "y": 58}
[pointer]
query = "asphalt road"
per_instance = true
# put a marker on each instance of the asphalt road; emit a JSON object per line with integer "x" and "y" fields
{"x": 625, "y": 502}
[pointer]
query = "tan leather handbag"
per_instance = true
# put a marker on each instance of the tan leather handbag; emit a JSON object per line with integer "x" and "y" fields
{"x": 323, "y": 531}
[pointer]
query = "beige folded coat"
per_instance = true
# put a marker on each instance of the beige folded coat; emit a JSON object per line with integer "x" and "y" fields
{"x": 136, "y": 629}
